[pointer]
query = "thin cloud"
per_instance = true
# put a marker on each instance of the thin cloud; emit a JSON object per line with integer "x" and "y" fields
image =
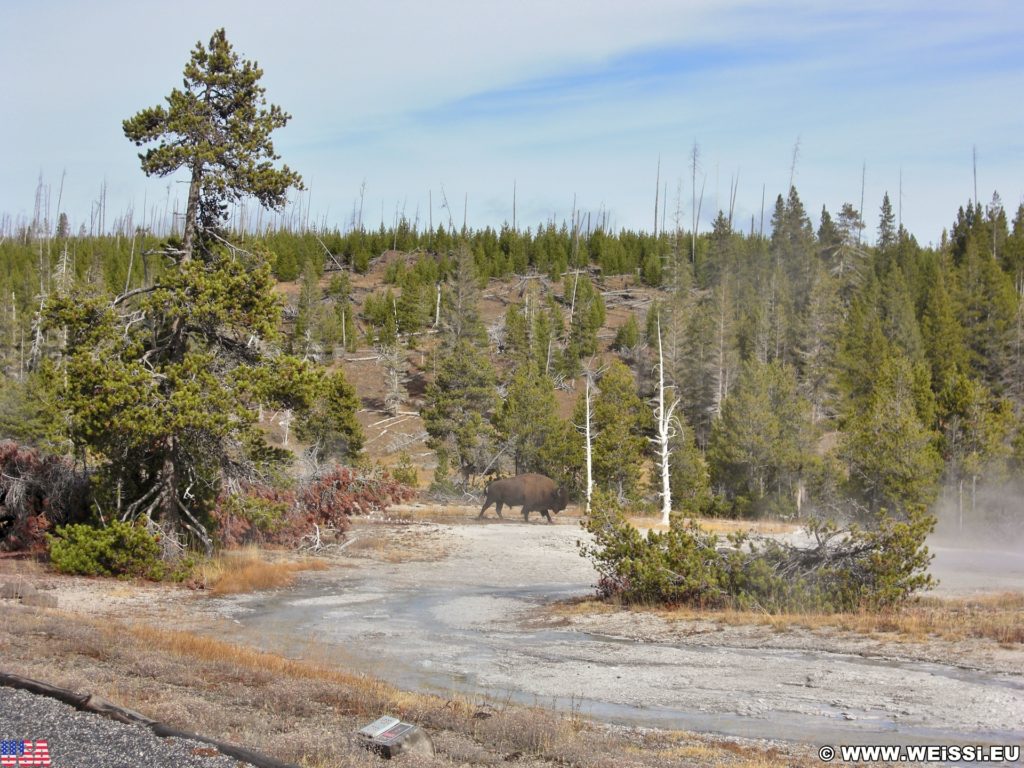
{"x": 575, "y": 98}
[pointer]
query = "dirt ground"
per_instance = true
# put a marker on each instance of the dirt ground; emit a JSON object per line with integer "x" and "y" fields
{"x": 471, "y": 611}
{"x": 486, "y": 608}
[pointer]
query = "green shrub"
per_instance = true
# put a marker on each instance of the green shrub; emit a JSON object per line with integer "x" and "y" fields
{"x": 845, "y": 570}
{"x": 679, "y": 566}
{"x": 118, "y": 549}
{"x": 405, "y": 472}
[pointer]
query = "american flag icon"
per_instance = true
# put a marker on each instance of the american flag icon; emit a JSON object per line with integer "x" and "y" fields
{"x": 16, "y": 753}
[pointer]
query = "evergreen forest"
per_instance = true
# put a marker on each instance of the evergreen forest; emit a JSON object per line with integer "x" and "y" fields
{"x": 203, "y": 379}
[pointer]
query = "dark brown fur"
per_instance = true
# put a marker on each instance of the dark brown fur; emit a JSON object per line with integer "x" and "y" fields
{"x": 536, "y": 493}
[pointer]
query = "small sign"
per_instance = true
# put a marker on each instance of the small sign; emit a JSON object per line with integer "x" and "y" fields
{"x": 379, "y": 726}
{"x": 394, "y": 734}
{"x": 388, "y": 737}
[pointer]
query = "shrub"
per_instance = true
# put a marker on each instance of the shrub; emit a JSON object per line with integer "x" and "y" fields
{"x": 262, "y": 514}
{"x": 258, "y": 515}
{"x": 405, "y": 472}
{"x": 341, "y": 492}
{"x": 846, "y": 570}
{"x": 37, "y": 491}
{"x": 118, "y": 549}
{"x": 681, "y": 565}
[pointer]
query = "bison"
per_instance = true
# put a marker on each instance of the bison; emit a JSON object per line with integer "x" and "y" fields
{"x": 536, "y": 493}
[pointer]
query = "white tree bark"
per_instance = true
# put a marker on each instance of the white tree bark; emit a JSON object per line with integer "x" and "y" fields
{"x": 586, "y": 432}
{"x": 666, "y": 430}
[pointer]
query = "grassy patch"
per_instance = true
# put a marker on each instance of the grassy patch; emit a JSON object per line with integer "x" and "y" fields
{"x": 996, "y": 617}
{"x": 721, "y": 526}
{"x": 250, "y": 570}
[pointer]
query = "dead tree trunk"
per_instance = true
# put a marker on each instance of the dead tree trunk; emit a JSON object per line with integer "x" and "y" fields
{"x": 666, "y": 431}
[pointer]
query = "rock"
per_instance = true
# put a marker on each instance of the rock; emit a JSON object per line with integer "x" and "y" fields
{"x": 16, "y": 590}
{"x": 39, "y": 599}
{"x": 27, "y": 594}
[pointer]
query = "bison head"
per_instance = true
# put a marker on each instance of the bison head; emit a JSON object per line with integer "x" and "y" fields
{"x": 562, "y": 497}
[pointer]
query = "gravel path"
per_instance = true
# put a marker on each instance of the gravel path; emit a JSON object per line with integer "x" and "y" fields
{"x": 83, "y": 740}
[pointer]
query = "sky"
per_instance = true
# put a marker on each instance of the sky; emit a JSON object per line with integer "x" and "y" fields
{"x": 439, "y": 110}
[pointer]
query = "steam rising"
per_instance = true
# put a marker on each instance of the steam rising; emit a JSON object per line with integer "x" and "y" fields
{"x": 979, "y": 546}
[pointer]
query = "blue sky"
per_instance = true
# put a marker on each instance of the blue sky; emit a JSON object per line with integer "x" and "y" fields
{"x": 564, "y": 100}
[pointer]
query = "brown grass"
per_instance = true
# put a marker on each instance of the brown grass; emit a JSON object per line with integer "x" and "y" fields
{"x": 720, "y": 525}
{"x": 249, "y": 570}
{"x": 993, "y": 617}
{"x": 399, "y": 544}
{"x": 305, "y": 710}
{"x": 997, "y": 617}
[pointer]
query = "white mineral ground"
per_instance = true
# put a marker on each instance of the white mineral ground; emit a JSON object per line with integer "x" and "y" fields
{"x": 463, "y": 608}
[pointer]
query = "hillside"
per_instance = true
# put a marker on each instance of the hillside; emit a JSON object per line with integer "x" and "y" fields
{"x": 390, "y": 436}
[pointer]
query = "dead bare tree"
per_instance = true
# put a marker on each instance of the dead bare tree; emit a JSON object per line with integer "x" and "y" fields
{"x": 665, "y": 421}
{"x": 390, "y": 358}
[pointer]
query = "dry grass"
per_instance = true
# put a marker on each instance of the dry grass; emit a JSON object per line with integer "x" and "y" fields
{"x": 21, "y": 566}
{"x": 302, "y": 710}
{"x": 249, "y": 570}
{"x": 996, "y": 617}
{"x": 399, "y": 544}
{"x": 721, "y": 526}
{"x": 432, "y": 512}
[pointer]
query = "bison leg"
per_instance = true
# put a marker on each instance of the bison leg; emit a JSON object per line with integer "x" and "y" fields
{"x": 498, "y": 507}
{"x": 526, "y": 513}
{"x": 487, "y": 503}
{"x": 547, "y": 515}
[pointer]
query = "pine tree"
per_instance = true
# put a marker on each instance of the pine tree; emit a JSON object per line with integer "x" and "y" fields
{"x": 517, "y": 335}
{"x": 896, "y": 310}
{"x": 989, "y": 307}
{"x": 862, "y": 345}
{"x": 218, "y": 129}
{"x": 460, "y": 313}
{"x": 942, "y": 334}
{"x": 793, "y": 248}
{"x": 817, "y": 352}
{"x": 162, "y": 385}
{"x": 162, "y": 388}
{"x": 889, "y": 450}
{"x": 886, "y": 226}
{"x": 620, "y": 419}
{"x": 462, "y": 398}
{"x": 759, "y": 445}
{"x": 848, "y": 262}
{"x": 976, "y": 427}
{"x": 306, "y": 335}
{"x": 460, "y": 404}
{"x": 528, "y": 420}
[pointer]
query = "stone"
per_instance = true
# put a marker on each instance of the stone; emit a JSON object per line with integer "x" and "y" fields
{"x": 39, "y": 600}
{"x": 27, "y": 594}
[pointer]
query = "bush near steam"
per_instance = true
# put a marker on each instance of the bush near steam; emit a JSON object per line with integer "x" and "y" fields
{"x": 845, "y": 570}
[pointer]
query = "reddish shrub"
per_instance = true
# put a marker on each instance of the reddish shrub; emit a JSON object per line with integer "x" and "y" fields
{"x": 265, "y": 515}
{"x": 341, "y": 492}
{"x": 36, "y": 493}
{"x": 257, "y": 515}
